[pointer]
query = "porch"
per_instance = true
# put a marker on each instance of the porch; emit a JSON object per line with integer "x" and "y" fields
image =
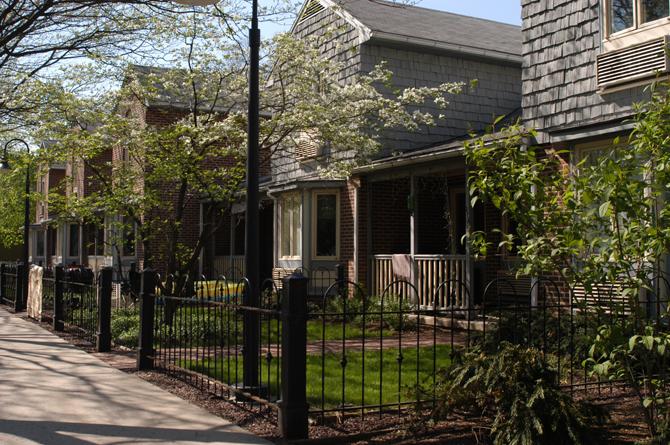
{"x": 441, "y": 281}
{"x": 421, "y": 216}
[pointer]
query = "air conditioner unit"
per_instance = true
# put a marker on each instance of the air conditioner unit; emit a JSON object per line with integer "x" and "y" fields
{"x": 633, "y": 63}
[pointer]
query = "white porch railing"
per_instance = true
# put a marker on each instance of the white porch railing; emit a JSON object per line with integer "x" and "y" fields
{"x": 230, "y": 266}
{"x": 440, "y": 277}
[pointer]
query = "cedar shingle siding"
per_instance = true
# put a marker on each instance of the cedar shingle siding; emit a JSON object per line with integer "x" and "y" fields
{"x": 364, "y": 42}
{"x": 561, "y": 40}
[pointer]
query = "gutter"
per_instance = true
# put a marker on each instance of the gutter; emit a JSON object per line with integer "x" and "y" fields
{"x": 407, "y": 161}
{"x": 388, "y": 37}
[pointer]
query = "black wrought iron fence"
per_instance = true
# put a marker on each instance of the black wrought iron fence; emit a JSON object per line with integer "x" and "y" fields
{"x": 48, "y": 293}
{"x": 199, "y": 337}
{"x": 8, "y": 283}
{"x": 370, "y": 354}
{"x": 351, "y": 353}
{"x": 80, "y": 308}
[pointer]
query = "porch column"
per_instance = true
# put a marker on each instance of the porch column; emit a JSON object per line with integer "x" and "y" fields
{"x": 413, "y": 228}
{"x": 469, "y": 263}
{"x": 201, "y": 258}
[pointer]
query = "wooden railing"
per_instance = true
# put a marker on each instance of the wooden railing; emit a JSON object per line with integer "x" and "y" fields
{"x": 440, "y": 280}
{"x": 230, "y": 266}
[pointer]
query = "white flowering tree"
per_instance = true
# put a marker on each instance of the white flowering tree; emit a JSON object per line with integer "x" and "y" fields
{"x": 210, "y": 83}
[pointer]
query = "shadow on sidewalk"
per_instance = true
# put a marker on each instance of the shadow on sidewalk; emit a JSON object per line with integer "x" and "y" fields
{"x": 61, "y": 433}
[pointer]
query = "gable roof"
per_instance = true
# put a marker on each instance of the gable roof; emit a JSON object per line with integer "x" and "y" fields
{"x": 165, "y": 94}
{"x": 413, "y": 25}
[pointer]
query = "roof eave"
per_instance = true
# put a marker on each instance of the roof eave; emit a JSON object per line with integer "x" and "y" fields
{"x": 499, "y": 56}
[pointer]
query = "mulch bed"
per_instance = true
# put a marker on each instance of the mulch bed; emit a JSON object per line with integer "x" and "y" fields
{"x": 625, "y": 427}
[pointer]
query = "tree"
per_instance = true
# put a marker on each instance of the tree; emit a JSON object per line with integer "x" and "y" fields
{"x": 602, "y": 219}
{"x": 12, "y": 184}
{"x": 38, "y": 38}
{"x": 598, "y": 220}
{"x": 302, "y": 99}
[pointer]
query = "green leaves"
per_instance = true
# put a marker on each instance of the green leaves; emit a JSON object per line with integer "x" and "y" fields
{"x": 521, "y": 392}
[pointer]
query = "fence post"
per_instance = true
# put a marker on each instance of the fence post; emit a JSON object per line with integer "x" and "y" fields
{"x": 103, "y": 341}
{"x": 19, "y": 304}
{"x": 58, "y": 323}
{"x": 145, "y": 354}
{"x": 293, "y": 407}
{"x": 2, "y": 281}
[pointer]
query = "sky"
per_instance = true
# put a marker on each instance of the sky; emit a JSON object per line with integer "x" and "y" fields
{"x": 507, "y": 11}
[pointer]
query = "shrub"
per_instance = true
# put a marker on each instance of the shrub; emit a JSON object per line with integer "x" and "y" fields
{"x": 520, "y": 392}
{"x": 393, "y": 315}
{"x": 643, "y": 362}
{"x": 192, "y": 326}
{"x": 126, "y": 327}
{"x": 556, "y": 334}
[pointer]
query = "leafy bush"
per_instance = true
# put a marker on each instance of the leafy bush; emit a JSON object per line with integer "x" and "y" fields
{"x": 643, "y": 362}
{"x": 393, "y": 315}
{"x": 192, "y": 326}
{"x": 554, "y": 333}
{"x": 520, "y": 392}
{"x": 126, "y": 327}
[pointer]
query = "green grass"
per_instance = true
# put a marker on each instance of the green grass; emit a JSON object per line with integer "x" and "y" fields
{"x": 396, "y": 382}
{"x": 201, "y": 327}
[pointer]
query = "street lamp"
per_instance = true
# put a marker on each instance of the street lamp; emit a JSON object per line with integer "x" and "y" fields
{"x": 252, "y": 233}
{"x": 20, "y": 303}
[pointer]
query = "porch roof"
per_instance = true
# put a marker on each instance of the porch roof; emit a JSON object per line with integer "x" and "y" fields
{"x": 305, "y": 185}
{"x": 447, "y": 150}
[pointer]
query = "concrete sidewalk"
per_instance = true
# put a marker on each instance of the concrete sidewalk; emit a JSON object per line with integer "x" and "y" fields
{"x": 54, "y": 393}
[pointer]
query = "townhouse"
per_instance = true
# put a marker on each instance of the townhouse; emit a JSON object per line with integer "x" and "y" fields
{"x": 586, "y": 63}
{"x": 114, "y": 240}
{"x": 410, "y": 201}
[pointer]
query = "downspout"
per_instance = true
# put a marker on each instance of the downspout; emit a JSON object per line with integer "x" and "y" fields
{"x": 357, "y": 185}
{"x": 201, "y": 259}
{"x": 534, "y": 280}
{"x": 469, "y": 263}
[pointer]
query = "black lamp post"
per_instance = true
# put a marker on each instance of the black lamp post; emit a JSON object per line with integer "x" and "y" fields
{"x": 4, "y": 166}
{"x": 252, "y": 251}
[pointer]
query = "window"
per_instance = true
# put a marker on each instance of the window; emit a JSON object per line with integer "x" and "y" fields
{"x": 325, "y": 224}
{"x": 52, "y": 237}
{"x": 630, "y": 15}
{"x": 129, "y": 239}
{"x": 622, "y": 15}
{"x": 95, "y": 240}
{"x": 39, "y": 243}
{"x": 654, "y": 10}
{"x": 291, "y": 226}
{"x": 73, "y": 240}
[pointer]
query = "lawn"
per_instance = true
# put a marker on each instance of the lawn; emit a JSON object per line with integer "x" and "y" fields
{"x": 203, "y": 326}
{"x": 356, "y": 385}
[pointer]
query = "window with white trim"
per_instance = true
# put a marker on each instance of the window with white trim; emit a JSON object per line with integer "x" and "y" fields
{"x": 290, "y": 226}
{"x": 326, "y": 224}
{"x": 629, "y": 15}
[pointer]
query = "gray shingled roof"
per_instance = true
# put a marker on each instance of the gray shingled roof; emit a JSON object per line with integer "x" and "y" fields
{"x": 388, "y": 20}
